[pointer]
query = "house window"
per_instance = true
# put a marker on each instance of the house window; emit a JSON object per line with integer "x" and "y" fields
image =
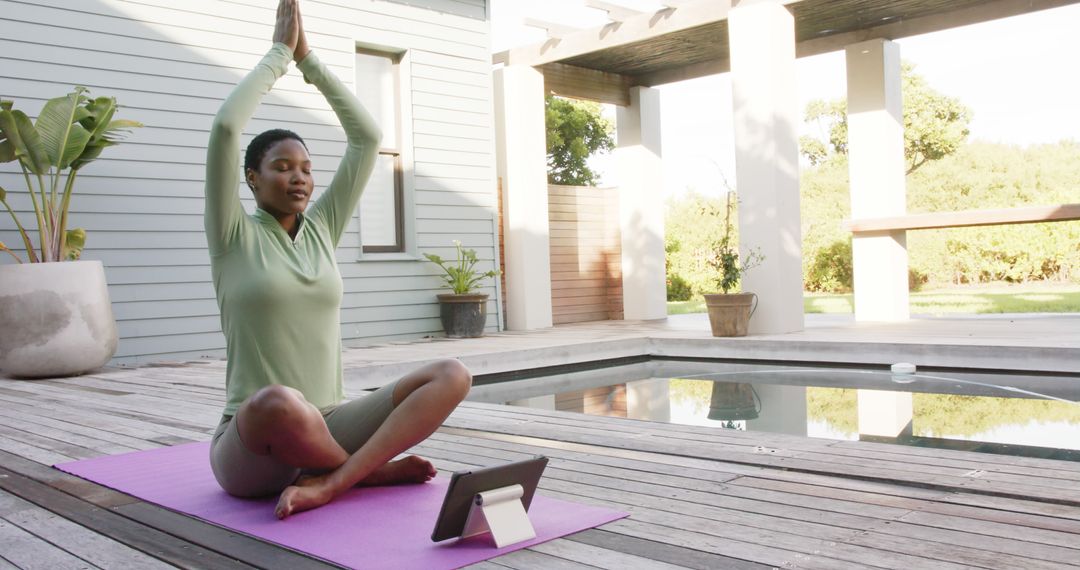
{"x": 378, "y": 86}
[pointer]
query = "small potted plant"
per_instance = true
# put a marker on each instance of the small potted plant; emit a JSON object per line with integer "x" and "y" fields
{"x": 729, "y": 313}
{"x": 463, "y": 313}
{"x": 57, "y": 315}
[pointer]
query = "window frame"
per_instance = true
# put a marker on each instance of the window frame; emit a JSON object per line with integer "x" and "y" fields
{"x": 401, "y": 154}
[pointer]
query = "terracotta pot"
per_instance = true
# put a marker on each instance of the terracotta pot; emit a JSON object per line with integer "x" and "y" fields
{"x": 463, "y": 316}
{"x": 55, "y": 319}
{"x": 729, "y": 314}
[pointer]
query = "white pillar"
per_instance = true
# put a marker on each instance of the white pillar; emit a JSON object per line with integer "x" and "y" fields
{"x": 641, "y": 205}
{"x": 762, "y": 40}
{"x": 884, "y": 414}
{"x": 783, "y": 409}
{"x": 876, "y": 167}
{"x": 521, "y": 162}
{"x": 649, "y": 400}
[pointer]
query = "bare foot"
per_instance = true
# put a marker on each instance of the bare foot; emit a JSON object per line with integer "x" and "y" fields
{"x": 411, "y": 469}
{"x": 306, "y": 494}
{"x": 310, "y": 491}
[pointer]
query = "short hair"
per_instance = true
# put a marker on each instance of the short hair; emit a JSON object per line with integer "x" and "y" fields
{"x": 262, "y": 143}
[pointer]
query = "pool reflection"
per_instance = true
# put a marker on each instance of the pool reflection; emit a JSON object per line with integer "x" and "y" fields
{"x": 999, "y": 413}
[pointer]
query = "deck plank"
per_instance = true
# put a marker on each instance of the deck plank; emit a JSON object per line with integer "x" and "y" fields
{"x": 782, "y": 516}
{"x": 28, "y": 552}
{"x": 662, "y": 552}
{"x": 110, "y": 418}
{"x": 601, "y": 557}
{"x": 720, "y": 471}
{"x": 148, "y": 540}
{"x": 532, "y": 560}
{"x": 970, "y": 476}
{"x": 807, "y": 497}
{"x": 74, "y": 539}
{"x": 928, "y": 456}
{"x": 698, "y": 497}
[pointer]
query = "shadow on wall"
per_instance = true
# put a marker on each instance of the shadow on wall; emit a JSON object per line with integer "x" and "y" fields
{"x": 142, "y": 203}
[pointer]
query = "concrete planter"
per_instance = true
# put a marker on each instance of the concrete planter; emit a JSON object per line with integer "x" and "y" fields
{"x": 729, "y": 314}
{"x": 463, "y": 316}
{"x": 55, "y": 319}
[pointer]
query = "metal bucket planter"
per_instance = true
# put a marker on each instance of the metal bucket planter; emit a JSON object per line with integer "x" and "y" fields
{"x": 729, "y": 314}
{"x": 463, "y": 316}
{"x": 55, "y": 319}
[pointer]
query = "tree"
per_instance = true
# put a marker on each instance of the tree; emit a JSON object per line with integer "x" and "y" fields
{"x": 575, "y": 131}
{"x": 935, "y": 125}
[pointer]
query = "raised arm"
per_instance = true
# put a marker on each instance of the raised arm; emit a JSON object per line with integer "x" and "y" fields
{"x": 337, "y": 204}
{"x": 223, "y": 213}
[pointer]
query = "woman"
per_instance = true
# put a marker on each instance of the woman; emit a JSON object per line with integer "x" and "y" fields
{"x": 285, "y": 429}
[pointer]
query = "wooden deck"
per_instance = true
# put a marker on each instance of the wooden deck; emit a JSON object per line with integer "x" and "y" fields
{"x": 698, "y": 497}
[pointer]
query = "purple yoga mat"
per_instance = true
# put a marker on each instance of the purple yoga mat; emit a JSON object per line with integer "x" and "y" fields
{"x": 374, "y": 527}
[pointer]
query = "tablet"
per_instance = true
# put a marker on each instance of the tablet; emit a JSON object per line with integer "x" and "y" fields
{"x": 464, "y": 485}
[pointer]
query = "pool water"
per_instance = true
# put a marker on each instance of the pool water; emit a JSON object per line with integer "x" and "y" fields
{"x": 1025, "y": 414}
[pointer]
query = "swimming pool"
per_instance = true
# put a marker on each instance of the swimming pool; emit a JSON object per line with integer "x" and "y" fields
{"x": 1013, "y": 413}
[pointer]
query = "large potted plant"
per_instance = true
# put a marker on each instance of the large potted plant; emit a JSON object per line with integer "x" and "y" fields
{"x": 729, "y": 313}
{"x": 463, "y": 312}
{"x": 56, "y": 317}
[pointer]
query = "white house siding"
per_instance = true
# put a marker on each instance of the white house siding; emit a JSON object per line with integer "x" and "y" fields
{"x": 170, "y": 64}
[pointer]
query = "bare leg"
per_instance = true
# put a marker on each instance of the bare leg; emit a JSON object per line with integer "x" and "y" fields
{"x": 422, "y": 400}
{"x": 278, "y": 421}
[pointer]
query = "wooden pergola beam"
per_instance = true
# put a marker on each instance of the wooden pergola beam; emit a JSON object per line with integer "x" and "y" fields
{"x": 966, "y": 218}
{"x": 892, "y": 30}
{"x": 635, "y": 29}
{"x": 983, "y": 12}
{"x": 581, "y": 83}
{"x": 686, "y": 14}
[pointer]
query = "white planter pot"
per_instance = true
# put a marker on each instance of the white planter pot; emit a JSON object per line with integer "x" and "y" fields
{"x": 55, "y": 319}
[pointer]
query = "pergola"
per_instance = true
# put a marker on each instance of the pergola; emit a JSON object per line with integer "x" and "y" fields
{"x": 757, "y": 41}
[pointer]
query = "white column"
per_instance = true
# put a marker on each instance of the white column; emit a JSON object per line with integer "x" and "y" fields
{"x": 762, "y": 39}
{"x": 783, "y": 409}
{"x": 649, "y": 400}
{"x": 521, "y": 161}
{"x": 641, "y": 205}
{"x": 884, "y": 414}
{"x": 876, "y": 167}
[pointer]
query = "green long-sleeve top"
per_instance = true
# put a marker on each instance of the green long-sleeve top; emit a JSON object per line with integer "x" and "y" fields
{"x": 280, "y": 297}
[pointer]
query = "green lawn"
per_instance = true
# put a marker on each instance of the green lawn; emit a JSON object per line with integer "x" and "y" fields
{"x": 977, "y": 299}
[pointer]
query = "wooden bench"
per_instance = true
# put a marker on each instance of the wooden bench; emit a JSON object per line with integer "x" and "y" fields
{"x": 966, "y": 218}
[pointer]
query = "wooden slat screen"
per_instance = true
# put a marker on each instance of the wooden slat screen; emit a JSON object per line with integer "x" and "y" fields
{"x": 586, "y": 273}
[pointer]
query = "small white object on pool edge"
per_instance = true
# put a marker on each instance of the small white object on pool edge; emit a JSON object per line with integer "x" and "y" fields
{"x": 903, "y": 368}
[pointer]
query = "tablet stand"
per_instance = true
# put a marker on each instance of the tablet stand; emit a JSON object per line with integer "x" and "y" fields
{"x": 500, "y": 512}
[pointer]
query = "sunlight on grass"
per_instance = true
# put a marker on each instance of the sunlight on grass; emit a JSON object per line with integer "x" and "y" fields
{"x": 684, "y": 307}
{"x": 827, "y": 304}
{"x": 1041, "y": 297}
{"x": 993, "y": 298}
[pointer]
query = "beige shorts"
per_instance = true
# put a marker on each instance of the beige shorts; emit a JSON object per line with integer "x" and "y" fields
{"x": 243, "y": 473}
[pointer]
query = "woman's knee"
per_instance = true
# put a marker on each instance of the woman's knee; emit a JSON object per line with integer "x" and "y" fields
{"x": 456, "y": 375}
{"x": 276, "y": 403}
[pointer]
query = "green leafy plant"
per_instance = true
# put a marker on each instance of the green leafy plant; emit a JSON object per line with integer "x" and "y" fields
{"x": 576, "y": 130}
{"x": 461, "y": 274}
{"x": 70, "y": 132}
{"x": 726, "y": 259}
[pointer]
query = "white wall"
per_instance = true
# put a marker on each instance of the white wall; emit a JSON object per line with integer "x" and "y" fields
{"x": 170, "y": 65}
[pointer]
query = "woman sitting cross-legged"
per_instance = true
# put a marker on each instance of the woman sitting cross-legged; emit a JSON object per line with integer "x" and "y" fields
{"x": 285, "y": 428}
